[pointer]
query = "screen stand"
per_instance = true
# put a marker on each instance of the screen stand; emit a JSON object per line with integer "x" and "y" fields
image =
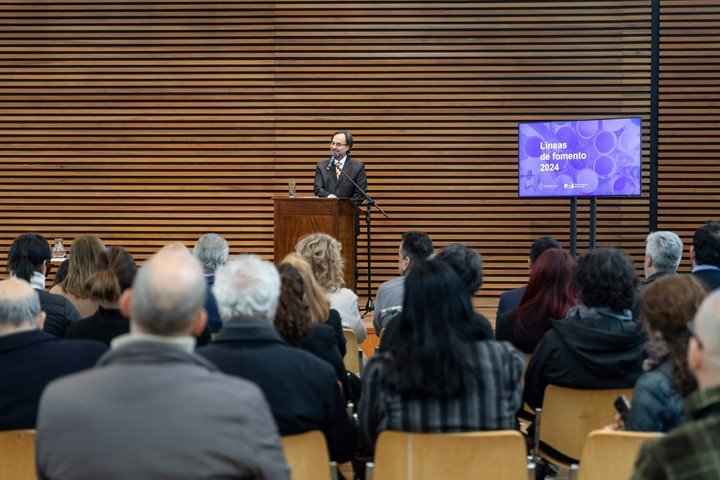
{"x": 573, "y": 226}
{"x": 593, "y": 221}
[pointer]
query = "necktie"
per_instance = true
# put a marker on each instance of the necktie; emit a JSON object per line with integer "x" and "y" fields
{"x": 337, "y": 172}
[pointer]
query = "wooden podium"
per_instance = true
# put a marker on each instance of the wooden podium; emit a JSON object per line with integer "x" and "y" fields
{"x": 296, "y": 217}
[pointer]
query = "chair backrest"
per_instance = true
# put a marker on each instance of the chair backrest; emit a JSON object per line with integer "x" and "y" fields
{"x": 352, "y": 357}
{"x": 430, "y": 456}
{"x": 307, "y": 456}
{"x": 569, "y": 415}
{"x": 17, "y": 454}
{"x": 610, "y": 455}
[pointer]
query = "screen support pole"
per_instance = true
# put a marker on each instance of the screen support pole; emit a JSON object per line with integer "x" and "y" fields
{"x": 593, "y": 221}
{"x": 573, "y": 226}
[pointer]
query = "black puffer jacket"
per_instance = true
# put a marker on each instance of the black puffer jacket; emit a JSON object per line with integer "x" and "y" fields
{"x": 589, "y": 348}
{"x": 60, "y": 313}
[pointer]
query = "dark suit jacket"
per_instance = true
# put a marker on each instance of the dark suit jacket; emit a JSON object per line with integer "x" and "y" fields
{"x": 711, "y": 278}
{"x": 30, "y": 360}
{"x": 508, "y": 302}
{"x": 302, "y": 390}
{"x": 60, "y": 313}
{"x": 321, "y": 343}
{"x": 326, "y": 183}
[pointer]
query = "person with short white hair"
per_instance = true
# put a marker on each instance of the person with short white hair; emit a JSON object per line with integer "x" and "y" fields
{"x": 692, "y": 451}
{"x": 152, "y": 408}
{"x": 663, "y": 252}
{"x": 301, "y": 389}
{"x": 31, "y": 358}
{"x": 212, "y": 251}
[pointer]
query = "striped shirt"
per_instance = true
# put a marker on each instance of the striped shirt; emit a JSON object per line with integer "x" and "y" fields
{"x": 492, "y": 398}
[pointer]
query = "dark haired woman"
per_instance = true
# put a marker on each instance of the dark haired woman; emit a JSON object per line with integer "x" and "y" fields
{"x": 666, "y": 307}
{"x": 29, "y": 259}
{"x": 294, "y": 323}
{"x": 438, "y": 377}
{"x": 548, "y": 296}
{"x": 597, "y": 344}
{"x": 105, "y": 287}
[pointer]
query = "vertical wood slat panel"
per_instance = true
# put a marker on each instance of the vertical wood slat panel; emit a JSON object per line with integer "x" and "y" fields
{"x": 689, "y": 146}
{"x": 155, "y": 121}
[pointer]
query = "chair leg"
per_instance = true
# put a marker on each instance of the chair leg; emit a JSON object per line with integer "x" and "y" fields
{"x": 361, "y": 367}
{"x": 531, "y": 467}
{"x": 369, "y": 468}
{"x": 333, "y": 471}
{"x": 573, "y": 474}
{"x": 536, "y": 447}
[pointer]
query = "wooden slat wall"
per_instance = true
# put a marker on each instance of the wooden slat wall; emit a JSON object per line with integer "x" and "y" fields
{"x": 689, "y": 147}
{"x": 154, "y": 121}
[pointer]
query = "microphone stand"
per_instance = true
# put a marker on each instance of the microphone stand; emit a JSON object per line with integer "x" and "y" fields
{"x": 369, "y": 202}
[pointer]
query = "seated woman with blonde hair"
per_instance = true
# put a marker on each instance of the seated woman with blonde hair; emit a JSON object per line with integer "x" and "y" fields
{"x": 84, "y": 261}
{"x": 322, "y": 252}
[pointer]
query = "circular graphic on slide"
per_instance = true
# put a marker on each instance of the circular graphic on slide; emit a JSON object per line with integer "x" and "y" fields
{"x": 629, "y": 141}
{"x": 623, "y": 185}
{"x": 587, "y": 128}
{"x": 532, "y": 147}
{"x": 605, "y": 142}
{"x": 568, "y": 136}
{"x": 614, "y": 124}
{"x": 604, "y": 166}
{"x": 588, "y": 180}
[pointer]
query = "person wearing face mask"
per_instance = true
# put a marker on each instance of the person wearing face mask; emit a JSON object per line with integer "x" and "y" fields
{"x": 330, "y": 182}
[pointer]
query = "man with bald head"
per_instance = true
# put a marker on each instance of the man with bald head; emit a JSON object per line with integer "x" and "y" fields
{"x": 31, "y": 358}
{"x": 692, "y": 451}
{"x": 152, "y": 408}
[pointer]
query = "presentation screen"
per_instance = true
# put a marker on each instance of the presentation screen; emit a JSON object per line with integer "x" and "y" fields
{"x": 583, "y": 158}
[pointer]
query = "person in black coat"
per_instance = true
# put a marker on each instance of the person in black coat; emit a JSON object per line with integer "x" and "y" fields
{"x": 30, "y": 358}
{"x": 329, "y": 182}
{"x": 29, "y": 258}
{"x": 705, "y": 255}
{"x": 302, "y": 390}
{"x": 598, "y": 344}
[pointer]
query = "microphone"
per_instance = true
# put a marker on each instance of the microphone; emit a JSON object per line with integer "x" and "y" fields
{"x": 333, "y": 158}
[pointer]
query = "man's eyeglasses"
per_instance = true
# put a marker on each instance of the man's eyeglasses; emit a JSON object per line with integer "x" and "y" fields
{"x": 335, "y": 144}
{"x": 693, "y": 333}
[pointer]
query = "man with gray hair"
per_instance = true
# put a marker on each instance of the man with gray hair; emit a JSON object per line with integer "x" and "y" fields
{"x": 31, "y": 358}
{"x": 212, "y": 251}
{"x": 663, "y": 252}
{"x": 152, "y": 408}
{"x": 692, "y": 451}
{"x": 302, "y": 389}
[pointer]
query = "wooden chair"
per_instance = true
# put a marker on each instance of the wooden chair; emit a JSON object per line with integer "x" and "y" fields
{"x": 458, "y": 456}
{"x": 610, "y": 455}
{"x": 307, "y": 456}
{"x": 17, "y": 454}
{"x": 567, "y": 417}
{"x": 353, "y": 359}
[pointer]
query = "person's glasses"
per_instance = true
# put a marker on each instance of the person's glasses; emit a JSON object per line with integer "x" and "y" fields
{"x": 336, "y": 144}
{"x": 693, "y": 333}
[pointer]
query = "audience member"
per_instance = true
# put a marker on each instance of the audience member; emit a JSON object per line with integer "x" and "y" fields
{"x": 61, "y": 273}
{"x": 84, "y": 261}
{"x": 415, "y": 247}
{"x": 467, "y": 264}
{"x": 548, "y": 296}
{"x": 318, "y": 303}
{"x": 152, "y": 408}
{"x": 705, "y": 255}
{"x": 663, "y": 252}
{"x": 301, "y": 389}
{"x": 692, "y": 451}
{"x": 439, "y": 377}
{"x": 322, "y": 252}
{"x": 30, "y": 358}
{"x": 294, "y": 324}
{"x": 28, "y": 259}
{"x": 510, "y": 299}
{"x": 666, "y": 307}
{"x": 212, "y": 250}
{"x": 105, "y": 287}
{"x": 598, "y": 344}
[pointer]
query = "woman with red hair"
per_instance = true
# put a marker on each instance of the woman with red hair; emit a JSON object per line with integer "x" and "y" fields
{"x": 548, "y": 296}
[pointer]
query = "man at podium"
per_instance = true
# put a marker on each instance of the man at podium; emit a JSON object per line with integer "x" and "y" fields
{"x": 330, "y": 181}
